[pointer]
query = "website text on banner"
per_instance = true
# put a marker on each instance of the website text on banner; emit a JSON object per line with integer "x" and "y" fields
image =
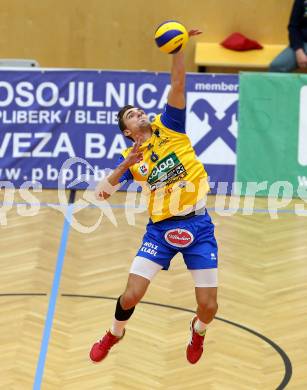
{"x": 272, "y": 142}
{"x": 49, "y": 116}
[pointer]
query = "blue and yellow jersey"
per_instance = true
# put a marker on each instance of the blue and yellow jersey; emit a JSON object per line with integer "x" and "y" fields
{"x": 170, "y": 173}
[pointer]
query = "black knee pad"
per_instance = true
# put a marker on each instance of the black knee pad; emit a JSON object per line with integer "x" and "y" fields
{"x": 121, "y": 314}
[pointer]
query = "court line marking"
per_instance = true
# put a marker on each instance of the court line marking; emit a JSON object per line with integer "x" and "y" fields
{"x": 52, "y": 301}
{"x": 121, "y": 206}
{"x": 286, "y": 361}
{"x": 23, "y": 294}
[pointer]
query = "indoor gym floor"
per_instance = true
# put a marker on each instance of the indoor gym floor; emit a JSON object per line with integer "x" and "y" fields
{"x": 59, "y": 286}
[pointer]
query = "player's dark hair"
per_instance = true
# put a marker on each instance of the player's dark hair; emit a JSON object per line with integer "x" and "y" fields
{"x": 121, "y": 123}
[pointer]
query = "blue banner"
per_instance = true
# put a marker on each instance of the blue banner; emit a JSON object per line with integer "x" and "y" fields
{"x": 49, "y": 116}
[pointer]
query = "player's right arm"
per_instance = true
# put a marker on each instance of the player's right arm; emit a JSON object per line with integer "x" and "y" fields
{"x": 110, "y": 184}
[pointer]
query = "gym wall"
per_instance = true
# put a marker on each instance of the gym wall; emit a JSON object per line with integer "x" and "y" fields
{"x": 118, "y": 34}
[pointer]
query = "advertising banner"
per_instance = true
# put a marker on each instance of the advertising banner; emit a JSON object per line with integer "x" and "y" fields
{"x": 49, "y": 116}
{"x": 272, "y": 143}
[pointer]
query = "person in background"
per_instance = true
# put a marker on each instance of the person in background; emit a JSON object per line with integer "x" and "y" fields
{"x": 294, "y": 56}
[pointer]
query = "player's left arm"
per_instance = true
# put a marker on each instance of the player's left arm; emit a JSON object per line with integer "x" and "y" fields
{"x": 176, "y": 96}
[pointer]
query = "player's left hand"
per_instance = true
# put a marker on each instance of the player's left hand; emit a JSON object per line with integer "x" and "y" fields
{"x": 194, "y": 32}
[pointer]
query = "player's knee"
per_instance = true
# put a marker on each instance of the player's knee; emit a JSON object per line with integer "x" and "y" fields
{"x": 130, "y": 298}
{"x": 208, "y": 306}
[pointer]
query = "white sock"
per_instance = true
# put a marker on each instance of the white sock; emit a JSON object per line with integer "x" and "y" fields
{"x": 118, "y": 327}
{"x": 200, "y": 327}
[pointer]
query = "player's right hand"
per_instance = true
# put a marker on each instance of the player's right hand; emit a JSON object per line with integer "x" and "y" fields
{"x": 301, "y": 58}
{"x": 135, "y": 155}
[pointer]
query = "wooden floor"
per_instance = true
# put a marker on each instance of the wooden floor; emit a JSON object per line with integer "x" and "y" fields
{"x": 261, "y": 322}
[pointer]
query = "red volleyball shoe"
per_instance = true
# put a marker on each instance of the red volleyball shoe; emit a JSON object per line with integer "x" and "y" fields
{"x": 100, "y": 349}
{"x": 195, "y": 346}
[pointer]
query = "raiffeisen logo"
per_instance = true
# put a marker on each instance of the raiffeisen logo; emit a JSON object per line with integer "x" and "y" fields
{"x": 212, "y": 126}
{"x": 302, "y": 130}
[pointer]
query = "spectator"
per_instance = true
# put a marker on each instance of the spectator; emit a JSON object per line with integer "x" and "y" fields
{"x": 294, "y": 56}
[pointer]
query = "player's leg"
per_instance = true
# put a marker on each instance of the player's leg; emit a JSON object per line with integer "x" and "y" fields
{"x": 152, "y": 256}
{"x": 284, "y": 62}
{"x": 206, "y": 297}
{"x": 141, "y": 273}
{"x": 206, "y": 294}
{"x": 201, "y": 259}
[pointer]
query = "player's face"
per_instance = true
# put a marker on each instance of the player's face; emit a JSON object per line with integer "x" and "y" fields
{"x": 136, "y": 121}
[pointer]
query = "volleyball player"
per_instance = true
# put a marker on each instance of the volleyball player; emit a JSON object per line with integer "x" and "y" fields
{"x": 162, "y": 159}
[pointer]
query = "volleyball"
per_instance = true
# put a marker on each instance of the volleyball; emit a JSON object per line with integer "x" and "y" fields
{"x": 171, "y": 37}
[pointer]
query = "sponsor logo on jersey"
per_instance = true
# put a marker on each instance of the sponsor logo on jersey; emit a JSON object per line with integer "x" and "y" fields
{"x": 150, "y": 248}
{"x": 143, "y": 169}
{"x": 182, "y": 184}
{"x": 179, "y": 237}
{"x": 167, "y": 171}
{"x": 163, "y": 142}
